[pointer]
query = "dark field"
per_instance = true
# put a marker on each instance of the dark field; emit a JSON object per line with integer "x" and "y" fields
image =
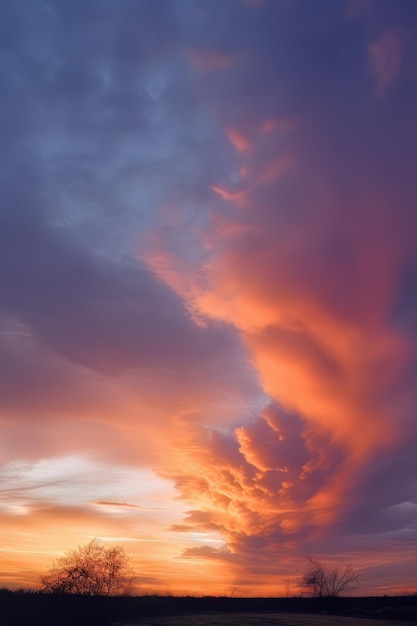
{"x": 243, "y": 619}
{"x": 36, "y": 609}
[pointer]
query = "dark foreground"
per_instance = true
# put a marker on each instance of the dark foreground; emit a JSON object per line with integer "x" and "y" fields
{"x": 36, "y": 609}
{"x": 266, "y": 619}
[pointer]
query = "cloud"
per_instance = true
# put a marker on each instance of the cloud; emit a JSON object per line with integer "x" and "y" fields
{"x": 310, "y": 280}
{"x": 385, "y": 58}
{"x": 115, "y": 504}
{"x": 274, "y": 125}
{"x": 255, "y": 482}
{"x": 209, "y": 60}
{"x": 236, "y": 197}
{"x": 240, "y": 143}
{"x": 275, "y": 170}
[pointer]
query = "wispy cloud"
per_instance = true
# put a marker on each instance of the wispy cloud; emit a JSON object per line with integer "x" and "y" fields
{"x": 385, "y": 58}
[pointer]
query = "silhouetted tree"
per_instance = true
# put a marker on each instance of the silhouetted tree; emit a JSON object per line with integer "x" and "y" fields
{"x": 322, "y": 582}
{"x": 89, "y": 571}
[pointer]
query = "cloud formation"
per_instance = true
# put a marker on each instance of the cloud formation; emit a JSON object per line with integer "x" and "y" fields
{"x": 208, "y": 269}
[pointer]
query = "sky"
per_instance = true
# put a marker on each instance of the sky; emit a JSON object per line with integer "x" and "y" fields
{"x": 208, "y": 279}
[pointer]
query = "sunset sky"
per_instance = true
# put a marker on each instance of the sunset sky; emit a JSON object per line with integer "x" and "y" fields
{"x": 208, "y": 289}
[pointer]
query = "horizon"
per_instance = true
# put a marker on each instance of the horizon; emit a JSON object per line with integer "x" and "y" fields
{"x": 208, "y": 312}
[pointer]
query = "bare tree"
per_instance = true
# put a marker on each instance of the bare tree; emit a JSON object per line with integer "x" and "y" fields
{"x": 322, "y": 582}
{"x": 90, "y": 570}
{"x": 117, "y": 573}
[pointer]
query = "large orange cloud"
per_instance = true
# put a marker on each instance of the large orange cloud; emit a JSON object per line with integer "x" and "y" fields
{"x": 312, "y": 301}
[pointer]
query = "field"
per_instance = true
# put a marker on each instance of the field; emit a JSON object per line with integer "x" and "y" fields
{"x": 37, "y": 609}
{"x": 266, "y": 620}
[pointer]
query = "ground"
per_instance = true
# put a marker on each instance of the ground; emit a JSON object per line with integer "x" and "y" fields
{"x": 277, "y": 619}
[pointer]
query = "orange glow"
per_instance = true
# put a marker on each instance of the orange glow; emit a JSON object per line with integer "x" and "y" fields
{"x": 238, "y": 198}
{"x": 245, "y": 171}
{"x": 276, "y": 169}
{"x": 239, "y": 141}
{"x": 209, "y": 60}
{"x": 279, "y": 125}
